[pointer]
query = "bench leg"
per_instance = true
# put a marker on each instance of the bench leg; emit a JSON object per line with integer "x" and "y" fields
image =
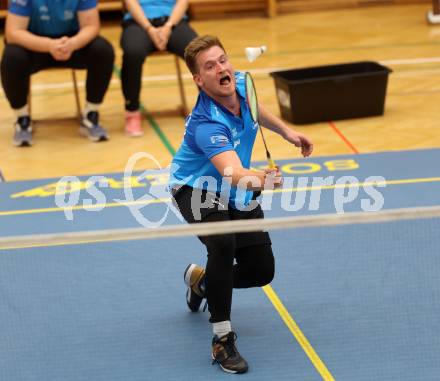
{"x": 76, "y": 91}
{"x": 184, "y": 107}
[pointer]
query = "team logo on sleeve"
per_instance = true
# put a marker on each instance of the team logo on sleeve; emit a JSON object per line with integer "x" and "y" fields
{"x": 68, "y": 15}
{"x": 220, "y": 140}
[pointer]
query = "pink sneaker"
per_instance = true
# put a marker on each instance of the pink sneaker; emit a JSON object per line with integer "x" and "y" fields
{"x": 133, "y": 123}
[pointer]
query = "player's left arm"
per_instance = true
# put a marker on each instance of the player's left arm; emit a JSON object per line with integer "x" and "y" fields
{"x": 89, "y": 25}
{"x": 275, "y": 124}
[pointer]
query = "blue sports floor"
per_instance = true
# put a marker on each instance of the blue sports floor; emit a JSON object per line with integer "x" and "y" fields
{"x": 353, "y": 302}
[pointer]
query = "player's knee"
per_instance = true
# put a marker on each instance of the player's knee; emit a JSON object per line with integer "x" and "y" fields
{"x": 266, "y": 271}
{"x": 134, "y": 55}
{"x": 101, "y": 48}
{"x": 265, "y": 277}
{"x": 15, "y": 58}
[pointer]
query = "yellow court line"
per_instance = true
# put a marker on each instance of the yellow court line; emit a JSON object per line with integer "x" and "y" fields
{"x": 165, "y": 200}
{"x": 85, "y": 242}
{"x": 297, "y": 333}
{"x": 82, "y": 207}
{"x": 367, "y": 183}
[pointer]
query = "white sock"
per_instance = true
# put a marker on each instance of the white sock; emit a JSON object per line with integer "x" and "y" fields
{"x": 221, "y": 328}
{"x": 23, "y": 111}
{"x": 90, "y": 107}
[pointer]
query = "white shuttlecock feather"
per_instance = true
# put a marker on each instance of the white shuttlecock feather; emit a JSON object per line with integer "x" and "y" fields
{"x": 252, "y": 53}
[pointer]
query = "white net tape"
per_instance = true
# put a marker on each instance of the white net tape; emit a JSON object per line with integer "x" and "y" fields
{"x": 224, "y": 227}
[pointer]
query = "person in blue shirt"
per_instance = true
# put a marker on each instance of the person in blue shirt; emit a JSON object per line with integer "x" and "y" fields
{"x": 148, "y": 26}
{"x": 40, "y": 34}
{"x": 211, "y": 180}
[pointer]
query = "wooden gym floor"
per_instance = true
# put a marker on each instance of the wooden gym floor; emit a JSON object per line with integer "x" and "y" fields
{"x": 397, "y": 36}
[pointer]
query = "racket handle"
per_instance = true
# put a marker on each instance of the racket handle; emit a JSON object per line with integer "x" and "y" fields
{"x": 271, "y": 163}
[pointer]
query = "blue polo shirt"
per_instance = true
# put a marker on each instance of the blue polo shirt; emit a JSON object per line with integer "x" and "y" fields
{"x": 155, "y": 8}
{"x": 210, "y": 130}
{"x": 51, "y": 18}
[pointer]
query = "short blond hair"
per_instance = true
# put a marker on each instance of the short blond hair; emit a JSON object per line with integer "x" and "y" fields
{"x": 198, "y": 45}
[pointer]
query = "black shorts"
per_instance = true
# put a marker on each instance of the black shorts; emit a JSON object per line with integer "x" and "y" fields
{"x": 218, "y": 210}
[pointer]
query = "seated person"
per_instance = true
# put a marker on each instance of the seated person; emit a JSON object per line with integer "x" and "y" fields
{"x": 49, "y": 33}
{"x": 148, "y": 26}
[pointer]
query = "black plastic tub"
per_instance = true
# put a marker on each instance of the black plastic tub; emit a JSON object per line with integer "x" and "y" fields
{"x": 333, "y": 92}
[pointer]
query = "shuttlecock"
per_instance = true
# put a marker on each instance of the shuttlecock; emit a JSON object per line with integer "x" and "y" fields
{"x": 253, "y": 53}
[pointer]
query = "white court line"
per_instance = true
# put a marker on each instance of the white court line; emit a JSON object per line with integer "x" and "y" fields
{"x": 171, "y": 77}
{"x": 411, "y": 61}
{"x": 156, "y": 78}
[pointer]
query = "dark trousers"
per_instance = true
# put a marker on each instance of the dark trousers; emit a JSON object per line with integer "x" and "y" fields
{"x": 18, "y": 63}
{"x": 255, "y": 264}
{"x": 137, "y": 45}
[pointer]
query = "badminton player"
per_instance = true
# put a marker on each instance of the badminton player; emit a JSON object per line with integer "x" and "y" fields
{"x": 215, "y": 155}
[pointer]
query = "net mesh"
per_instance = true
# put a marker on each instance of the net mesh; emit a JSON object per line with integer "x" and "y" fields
{"x": 353, "y": 288}
{"x": 202, "y": 229}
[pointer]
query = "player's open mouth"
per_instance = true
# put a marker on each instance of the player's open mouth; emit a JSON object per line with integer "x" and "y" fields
{"x": 225, "y": 81}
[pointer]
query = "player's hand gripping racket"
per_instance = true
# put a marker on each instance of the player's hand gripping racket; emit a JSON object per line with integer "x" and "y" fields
{"x": 251, "y": 97}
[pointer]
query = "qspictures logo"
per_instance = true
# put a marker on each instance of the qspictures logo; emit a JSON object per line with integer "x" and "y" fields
{"x": 147, "y": 194}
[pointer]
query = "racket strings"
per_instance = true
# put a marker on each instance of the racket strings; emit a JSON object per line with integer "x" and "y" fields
{"x": 253, "y": 105}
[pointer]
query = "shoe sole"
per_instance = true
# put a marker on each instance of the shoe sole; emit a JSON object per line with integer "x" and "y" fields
{"x": 27, "y": 143}
{"x": 187, "y": 274}
{"x": 228, "y": 370}
{"x": 188, "y": 302}
{"x": 95, "y": 139}
{"x": 134, "y": 134}
{"x": 187, "y": 279}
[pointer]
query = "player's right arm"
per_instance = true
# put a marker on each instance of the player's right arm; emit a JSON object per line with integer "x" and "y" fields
{"x": 138, "y": 14}
{"x": 141, "y": 18}
{"x": 16, "y": 33}
{"x": 215, "y": 141}
{"x": 228, "y": 164}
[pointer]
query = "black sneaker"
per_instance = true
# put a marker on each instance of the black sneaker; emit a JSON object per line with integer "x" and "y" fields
{"x": 23, "y": 132}
{"x": 91, "y": 129}
{"x": 194, "y": 277}
{"x": 225, "y": 354}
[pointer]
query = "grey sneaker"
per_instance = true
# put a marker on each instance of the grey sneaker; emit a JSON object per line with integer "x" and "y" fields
{"x": 91, "y": 129}
{"x": 23, "y": 132}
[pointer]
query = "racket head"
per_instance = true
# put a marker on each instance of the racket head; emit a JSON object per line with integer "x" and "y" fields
{"x": 251, "y": 96}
